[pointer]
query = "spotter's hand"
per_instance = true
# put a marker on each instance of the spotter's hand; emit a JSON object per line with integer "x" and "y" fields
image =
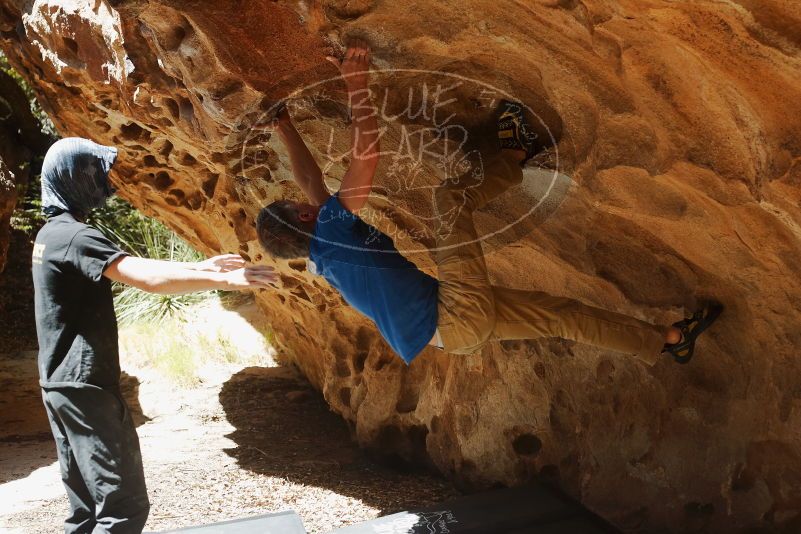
{"x": 255, "y": 277}
{"x": 355, "y": 66}
{"x": 221, "y": 264}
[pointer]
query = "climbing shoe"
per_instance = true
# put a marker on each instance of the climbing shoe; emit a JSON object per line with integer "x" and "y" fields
{"x": 514, "y": 132}
{"x": 691, "y": 328}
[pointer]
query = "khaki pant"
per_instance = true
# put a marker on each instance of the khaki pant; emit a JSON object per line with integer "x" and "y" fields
{"x": 473, "y": 312}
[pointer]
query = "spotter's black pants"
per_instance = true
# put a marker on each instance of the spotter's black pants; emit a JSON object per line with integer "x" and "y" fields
{"x": 101, "y": 464}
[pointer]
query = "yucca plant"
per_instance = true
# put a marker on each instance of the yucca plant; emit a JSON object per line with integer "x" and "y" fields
{"x": 147, "y": 238}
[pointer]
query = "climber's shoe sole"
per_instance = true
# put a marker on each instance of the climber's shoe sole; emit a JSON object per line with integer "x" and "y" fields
{"x": 691, "y": 328}
{"x": 514, "y": 132}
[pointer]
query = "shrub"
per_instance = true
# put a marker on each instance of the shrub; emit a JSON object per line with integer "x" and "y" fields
{"x": 147, "y": 238}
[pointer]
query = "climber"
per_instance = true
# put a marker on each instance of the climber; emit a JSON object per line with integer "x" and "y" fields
{"x": 79, "y": 368}
{"x": 461, "y": 311}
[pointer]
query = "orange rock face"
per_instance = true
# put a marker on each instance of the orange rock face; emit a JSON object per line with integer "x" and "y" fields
{"x": 679, "y": 125}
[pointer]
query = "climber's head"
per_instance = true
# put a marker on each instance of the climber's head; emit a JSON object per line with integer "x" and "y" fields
{"x": 75, "y": 176}
{"x": 285, "y": 228}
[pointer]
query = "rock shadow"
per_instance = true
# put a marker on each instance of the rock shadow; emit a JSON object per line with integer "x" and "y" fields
{"x": 284, "y": 428}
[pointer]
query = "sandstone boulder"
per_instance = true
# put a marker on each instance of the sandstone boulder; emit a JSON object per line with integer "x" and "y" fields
{"x": 676, "y": 128}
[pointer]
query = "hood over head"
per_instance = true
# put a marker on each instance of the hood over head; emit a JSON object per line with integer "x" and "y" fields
{"x": 75, "y": 176}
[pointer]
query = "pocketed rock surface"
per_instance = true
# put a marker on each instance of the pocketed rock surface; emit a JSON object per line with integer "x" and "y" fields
{"x": 678, "y": 124}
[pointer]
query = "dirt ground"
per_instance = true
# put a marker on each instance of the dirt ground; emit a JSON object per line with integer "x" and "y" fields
{"x": 244, "y": 440}
{"x": 257, "y": 441}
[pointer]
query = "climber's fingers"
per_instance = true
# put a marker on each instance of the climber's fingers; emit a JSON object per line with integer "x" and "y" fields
{"x": 358, "y": 50}
{"x": 355, "y": 65}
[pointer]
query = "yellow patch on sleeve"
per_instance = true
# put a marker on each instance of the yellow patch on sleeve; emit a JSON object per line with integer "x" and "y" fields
{"x": 38, "y": 253}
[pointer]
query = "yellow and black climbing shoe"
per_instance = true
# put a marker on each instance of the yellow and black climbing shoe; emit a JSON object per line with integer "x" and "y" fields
{"x": 691, "y": 328}
{"x": 514, "y": 132}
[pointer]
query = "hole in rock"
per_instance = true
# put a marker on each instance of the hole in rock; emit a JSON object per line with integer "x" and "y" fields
{"x": 402, "y": 450}
{"x": 136, "y": 77}
{"x": 301, "y": 293}
{"x": 382, "y": 362}
{"x": 134, "y": 132}
{"x": 297, "y": 265}
{"x": 363, "y": 339}
{"x": 71, "y": 45}
{"x": 131, "y": 131}
{"x": 359, "y": 360}
{"x": 194, "y": 201}
{"x": 341, "y": 369}
{"x": 174, "y": 37}
{"x": 186, "y": 109}
{"x": 527, "y": 445}
{"x": 162, "y": 181}
{"x": 226, "y": 89}
{"x": 150, "y": 161}
{"x": 166, "y": 149}
{"x": 407, "y": 402}
{"x": 172, "y": 107}
{"x": 210, "y": 184}
{"x": 435, "y": 424}
{"x": 344, "y": 396}
{"x": 177, "y": 193}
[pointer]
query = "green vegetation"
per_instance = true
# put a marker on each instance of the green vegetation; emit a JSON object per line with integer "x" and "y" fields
{"x": 28, "y": 215}
{"x": 179, "y": 349}
{"x": 147, "y": 238}
{"x": 36, "y": 109}
{"x": 158, "y": 347}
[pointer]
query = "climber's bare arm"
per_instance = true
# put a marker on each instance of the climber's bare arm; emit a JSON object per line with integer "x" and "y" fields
{"x": 358, "y": 180}
{"x": 168, "y": 278}
{"x": 305, "y": 170}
